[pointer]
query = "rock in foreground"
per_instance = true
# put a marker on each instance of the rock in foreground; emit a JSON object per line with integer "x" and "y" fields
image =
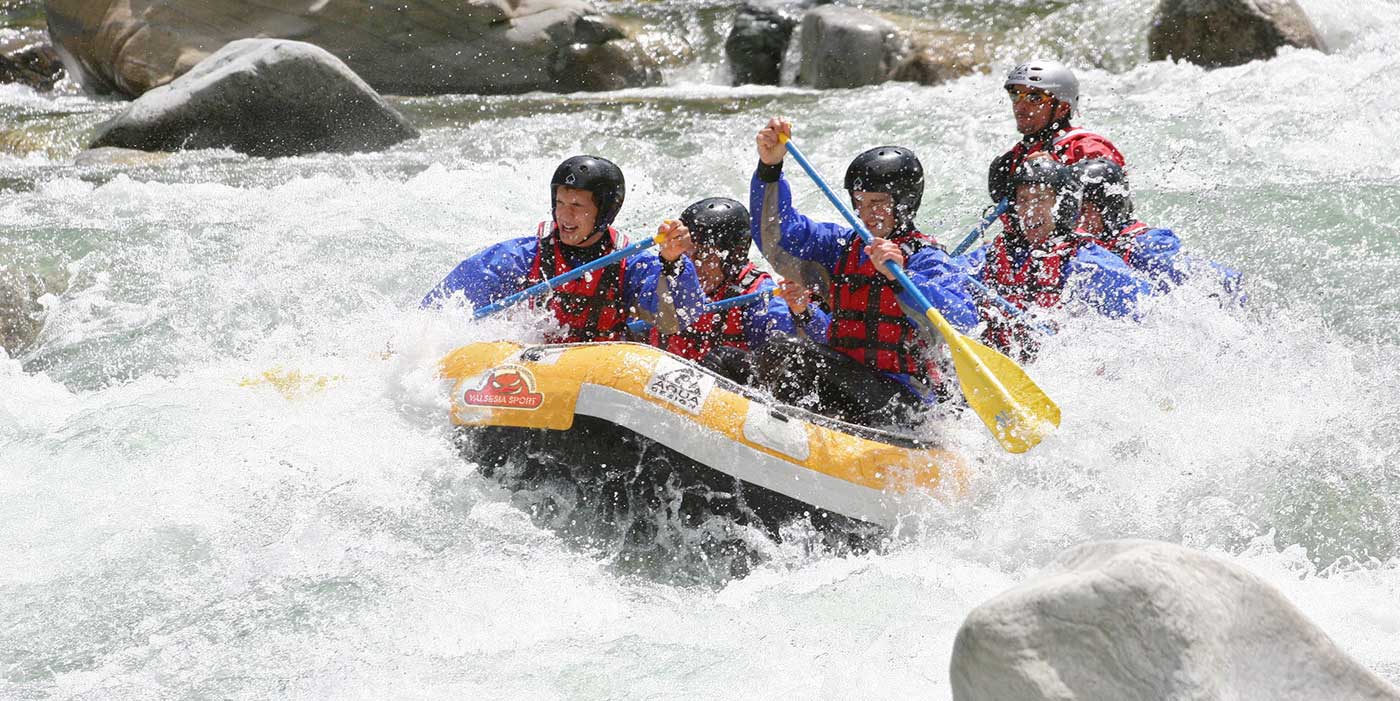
{"x": 1216, "y": 33}
{"x": 262, "y": 97}
{"x": 408, "y": 47}
{"x": 1149, "y": 620}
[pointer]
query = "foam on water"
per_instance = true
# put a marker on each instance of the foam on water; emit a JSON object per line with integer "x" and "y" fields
{"x": 167, "y": 531}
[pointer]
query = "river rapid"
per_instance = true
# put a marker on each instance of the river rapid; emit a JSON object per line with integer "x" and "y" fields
{"x": 170, "y": 529}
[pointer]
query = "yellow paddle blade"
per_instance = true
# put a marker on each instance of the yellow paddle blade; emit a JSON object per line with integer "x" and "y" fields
{"x": 1016, "y": 410}
{"x": 292, "y": 384}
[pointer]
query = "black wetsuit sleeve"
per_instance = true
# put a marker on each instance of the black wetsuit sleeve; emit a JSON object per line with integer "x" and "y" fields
{"x": 770, "y": 173}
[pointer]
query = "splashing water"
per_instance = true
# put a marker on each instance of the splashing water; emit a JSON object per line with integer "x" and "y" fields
{"x": 166, "y": 531}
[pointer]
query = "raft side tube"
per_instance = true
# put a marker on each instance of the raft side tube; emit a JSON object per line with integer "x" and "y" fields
{"x": 833, "y": 466}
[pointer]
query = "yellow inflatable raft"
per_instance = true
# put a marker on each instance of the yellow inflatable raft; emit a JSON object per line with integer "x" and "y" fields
{"x": 587, "y": 402}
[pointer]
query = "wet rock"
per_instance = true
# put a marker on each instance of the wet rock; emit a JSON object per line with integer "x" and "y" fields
{"x": 21, "y": 314}
{"x": 1215, "y": 33}
{"x": 111, "y": 156}
{"x": 661, "y": 45}
{"x": 843, "y": 47}
{"x": 941, "y": 56}
{"x": 411, "y": 47}
{"x": 611, "y": 66}
{"x": 27, "y": 57}
{"x": 759, "y": 39}
{"x": 1148, "y": 620}
{"x": 262, "y": 97}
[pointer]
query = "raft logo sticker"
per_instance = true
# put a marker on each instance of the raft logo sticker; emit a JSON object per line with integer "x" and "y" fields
{"x": 680, "y": 384}
{"x": 505, "y": 387}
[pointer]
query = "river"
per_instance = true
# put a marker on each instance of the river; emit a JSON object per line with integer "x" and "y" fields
{"x": 168, "y": 531}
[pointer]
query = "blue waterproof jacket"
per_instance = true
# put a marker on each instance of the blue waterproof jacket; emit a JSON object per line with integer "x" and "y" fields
{"x": 504, "y": 269}
{"x": 809, "y": 251}
{"x": 1093, "y": 274}
{"x": 1157, "y": 254}
{"x": 759, "y": 322}
{"x": 763, "y": 322}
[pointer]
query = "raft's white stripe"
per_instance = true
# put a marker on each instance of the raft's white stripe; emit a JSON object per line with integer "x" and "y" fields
{"x": 720, "y": 452}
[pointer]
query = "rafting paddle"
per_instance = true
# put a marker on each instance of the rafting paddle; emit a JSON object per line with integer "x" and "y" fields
{"x": 292, "y": 382}
{"x": 576, "y": 273}
{"x": 643, "y": 326}
{"x": 976, "y": 234}
{"x": 1013, "y": 407}
{"x": 1011, "y": 310}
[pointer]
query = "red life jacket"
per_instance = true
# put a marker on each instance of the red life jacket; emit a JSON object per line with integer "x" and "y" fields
{"x": 1039, "y": 280}
{"x": 713, "y": 329}
{"x": 1069, "y": 147}
{"x": 1124, "y": 241}
{"x": 867, "y": 322}
{"x": 589, "y": 308}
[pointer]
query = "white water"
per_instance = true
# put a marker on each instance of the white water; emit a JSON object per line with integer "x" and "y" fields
{"x": 167, "y": 532}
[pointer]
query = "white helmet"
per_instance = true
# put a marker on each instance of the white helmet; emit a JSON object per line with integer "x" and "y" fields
{"x": 1051, "y": 76}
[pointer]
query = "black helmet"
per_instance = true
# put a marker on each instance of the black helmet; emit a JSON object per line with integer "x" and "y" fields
{"x": 1106, "y": 187}
{"x": 999, "y": 177}
{"x": 895, "y": 171}
{"x": 719, "y": 223}
{"x": 1060, "y": 178}
{"x": 599, "y": 176}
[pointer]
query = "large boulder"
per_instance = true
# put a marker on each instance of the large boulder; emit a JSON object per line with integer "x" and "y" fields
{"x": 941, "y": 55}
{"x": 613, "y": 65}
{"x": 1149, "y": 620}
{"x": 1215, "y": 33}
{"x": 27, "y": 57}
{"x": 407, "y": 47}
{"x": 262, "y": 97}
{"x": 759, "y": 39}
{"x": 844, "y": 47}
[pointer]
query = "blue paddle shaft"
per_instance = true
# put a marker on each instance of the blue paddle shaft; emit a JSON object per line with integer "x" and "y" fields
{"x": 976, "y": 234}
{"x": 641, "y": 326}
{"x": 1011, "y": 309}
{"x": 576, "y": 273}
{"x": 913, "y": 295}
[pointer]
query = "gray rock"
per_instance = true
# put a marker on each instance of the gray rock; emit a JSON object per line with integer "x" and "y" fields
{"x": 759, "y": 39}
{"x": 611, "y": 66}
{"x": 262, "y": 97}
{"x": 1215, "y": 33}
{"x": 27, "y": 57}
{"x": 406, "y": 47}
{"x": 843, "y": 47}
{"x": 1149, "y": 620}
{"x": 21, "y": 314}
